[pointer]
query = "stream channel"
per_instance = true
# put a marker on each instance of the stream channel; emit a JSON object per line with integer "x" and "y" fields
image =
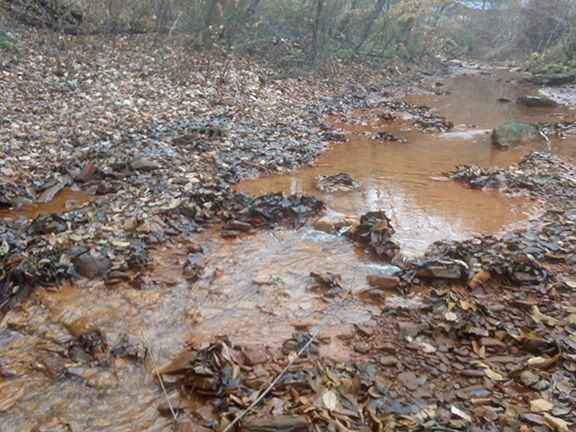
{"x": 253, "y": 289}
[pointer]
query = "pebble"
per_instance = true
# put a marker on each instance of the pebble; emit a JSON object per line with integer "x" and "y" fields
{"x": 471, "y": 373}
{"x": 388, "y": 361}
{"x": 408, "y": 380}
{"x": 361, "y": 347}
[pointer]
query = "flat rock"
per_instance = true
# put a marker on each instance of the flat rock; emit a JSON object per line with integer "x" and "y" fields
{"x": 408, "y": 379}
{"x": 551, "y": 78}
{"x": 383, "y": 281}
{"x": 144, "y": 164}
{"x": 412, "y": 329}
{"x": 86, "y": 174}
{"x": 372, "y": 295}
{"x": 441, "y": 269}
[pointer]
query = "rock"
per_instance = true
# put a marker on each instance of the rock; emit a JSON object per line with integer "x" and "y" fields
{"x": 551, "y": 78}
{"x": 91, "y": 265}
{"x": 49, "y": 194}
{"x": 86, "y": 174}
{"x": 361, "y": 347}
{"x": 408, "y": 380}
{"x": 411, "y": 329}
{"x": 528, "y": 378}
{"x": 388, "y": 361}
{"x": 103, "y": 188}
{"x": 442, "y": 269}
{"x": 537, "y": 101}
{"x": 514, "y": 132}
{"x": 496, "y": 344}
{"x": 372, "y": 295}
{"x": 143, "y": 164}
{"x": 236, "y": 225}
{"x": 254, "y": 355}
{"x": 383, "y": 281}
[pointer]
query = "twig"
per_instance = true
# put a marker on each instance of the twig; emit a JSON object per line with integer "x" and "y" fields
{"x": 281, "y": 374}
{"x": 159, "y": 377}
{"x": 438, "y": 426}
{"x": 175, "y": 22}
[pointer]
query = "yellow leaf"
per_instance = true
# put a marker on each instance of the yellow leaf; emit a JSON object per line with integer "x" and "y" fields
{"x": 220, "y": 8}
{"x": 330, "y": 400}
{"x": 493, "y": 375}
{"x": 557, "y": 424}
{"x": 464, "y": 305}
{"x": 540, "y": 405}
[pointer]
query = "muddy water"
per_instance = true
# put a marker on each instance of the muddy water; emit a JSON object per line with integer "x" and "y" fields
{"x": 405, "y": 179}
{"x": 65, "y": 200}
{"x": 254, "y": 289}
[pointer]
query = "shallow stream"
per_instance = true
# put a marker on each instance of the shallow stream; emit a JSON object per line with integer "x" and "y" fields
{"x": 253, "y": 289}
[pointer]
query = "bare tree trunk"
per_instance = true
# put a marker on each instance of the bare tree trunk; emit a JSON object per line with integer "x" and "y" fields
{"x": 317, "y": 31}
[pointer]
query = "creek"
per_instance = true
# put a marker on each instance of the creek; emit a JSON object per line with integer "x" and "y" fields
{"x": 253, "y": 289}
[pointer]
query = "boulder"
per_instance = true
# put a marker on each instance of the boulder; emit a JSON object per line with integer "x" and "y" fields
{"x": 551, "y": 78}
{"x": 537, "y": 101}
{"x": 514, "y": 132}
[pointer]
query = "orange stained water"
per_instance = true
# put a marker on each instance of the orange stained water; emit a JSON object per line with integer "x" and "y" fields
{"x": 65, "y": 200}
{"x": 406, "y": 179}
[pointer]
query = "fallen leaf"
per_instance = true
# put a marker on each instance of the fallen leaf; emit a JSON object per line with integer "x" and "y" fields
{"x": 330, "y": 400}
{"x": 493, "y": 375}
{"x": 557, "y": 424}
{"x": 540, "y": 405}
{"x": 462, "y": 414}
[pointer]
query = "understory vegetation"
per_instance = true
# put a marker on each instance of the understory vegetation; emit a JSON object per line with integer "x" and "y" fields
{"x": 312, "y": 33}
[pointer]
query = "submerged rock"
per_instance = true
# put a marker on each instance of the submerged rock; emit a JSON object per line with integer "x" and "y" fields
{"x": 514, "y": 132}
{"x": 538, "y": 101}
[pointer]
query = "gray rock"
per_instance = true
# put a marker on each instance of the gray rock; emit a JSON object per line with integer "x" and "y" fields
{"x": 91, "y": 265}
{"x": 551, "y": 78}
{"x": 442, "y": 269}
{"x": 143, "y": 164}
{"x": 408, "y": 380}
{"x": 514, "y": 132}
{"x": 537, "y": 101}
